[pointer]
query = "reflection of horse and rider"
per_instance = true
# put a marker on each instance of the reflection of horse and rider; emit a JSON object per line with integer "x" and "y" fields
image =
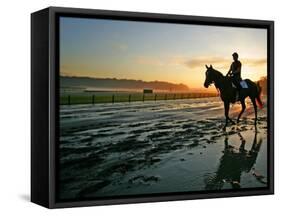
{"x": 231, "y": 90}
{"x": 235, "y": 161}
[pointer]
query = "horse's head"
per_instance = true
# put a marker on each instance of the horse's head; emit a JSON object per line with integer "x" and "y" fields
{"x": 209, "y": 76}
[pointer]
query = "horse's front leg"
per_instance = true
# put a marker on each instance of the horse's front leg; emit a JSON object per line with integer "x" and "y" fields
{"x": 243, "y": 109}
{"x": 226, "y": 111}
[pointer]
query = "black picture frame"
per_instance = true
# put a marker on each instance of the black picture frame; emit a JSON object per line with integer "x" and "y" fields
{"x": 45, "y": 103}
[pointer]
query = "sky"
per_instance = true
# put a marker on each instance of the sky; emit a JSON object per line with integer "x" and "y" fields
{"x": 149, "y": 51}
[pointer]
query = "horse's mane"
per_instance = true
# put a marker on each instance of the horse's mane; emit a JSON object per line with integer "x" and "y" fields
{"x": 217, "y": 72}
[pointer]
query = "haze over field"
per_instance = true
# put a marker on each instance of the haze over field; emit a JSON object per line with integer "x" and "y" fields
{"x": 174, "y": 53}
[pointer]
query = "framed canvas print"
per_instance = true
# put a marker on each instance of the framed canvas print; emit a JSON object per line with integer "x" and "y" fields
{"x": 139, "y": 107}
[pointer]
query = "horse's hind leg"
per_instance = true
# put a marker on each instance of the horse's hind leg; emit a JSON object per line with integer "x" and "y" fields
{"x": 243, "y": 109}
{"x": 255, "y": 108}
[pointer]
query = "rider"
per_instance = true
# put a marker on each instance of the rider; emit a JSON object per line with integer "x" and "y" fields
{"x": 235, "y": 71}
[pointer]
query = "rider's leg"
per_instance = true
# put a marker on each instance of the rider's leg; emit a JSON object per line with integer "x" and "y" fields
{"x": 236, "y": 82}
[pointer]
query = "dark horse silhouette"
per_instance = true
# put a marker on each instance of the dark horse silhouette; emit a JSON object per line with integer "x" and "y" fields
{"x": 234, "y": 162}
{"x": 228, "y": 92}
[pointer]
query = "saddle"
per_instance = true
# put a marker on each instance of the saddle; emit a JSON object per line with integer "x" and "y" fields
{"x": 243, "y": 84}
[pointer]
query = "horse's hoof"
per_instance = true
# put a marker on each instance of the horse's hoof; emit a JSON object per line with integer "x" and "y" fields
{"x": 231, "y": 121}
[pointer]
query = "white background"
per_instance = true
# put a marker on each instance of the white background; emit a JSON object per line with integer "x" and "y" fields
{"x": 15, "y": 107}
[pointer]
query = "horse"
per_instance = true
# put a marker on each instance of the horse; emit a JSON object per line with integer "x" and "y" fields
{"x": 228, "y": 92}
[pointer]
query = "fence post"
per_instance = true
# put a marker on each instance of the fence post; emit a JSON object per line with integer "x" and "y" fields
{"x": 93, "y": 99}
{"x": 112, "y": 98}
{"x": 165, "y": 96}
{"x": 143, "y": 98}
{"x": 129, "y": 98}
{"x": 68, "y": 99}
{"x": 174, "y": 96}
{"x": 155, "y": 97}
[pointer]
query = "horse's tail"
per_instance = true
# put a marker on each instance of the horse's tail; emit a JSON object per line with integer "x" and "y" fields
{"x": 258, "y": 98}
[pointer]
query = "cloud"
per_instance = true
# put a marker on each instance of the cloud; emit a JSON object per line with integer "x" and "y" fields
{"x": 201, "y": 61}
{"x": 221, "y": 62}
{"x": 120, "y": 46}
{"x": 255, "y": 62}
{"x": 149, "y": 60}
{"x": 198, "y": 61}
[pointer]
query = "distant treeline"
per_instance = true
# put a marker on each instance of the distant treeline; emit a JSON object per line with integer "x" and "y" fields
{"x": 87, "y": 82}
{"x": 263, "y": 83}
